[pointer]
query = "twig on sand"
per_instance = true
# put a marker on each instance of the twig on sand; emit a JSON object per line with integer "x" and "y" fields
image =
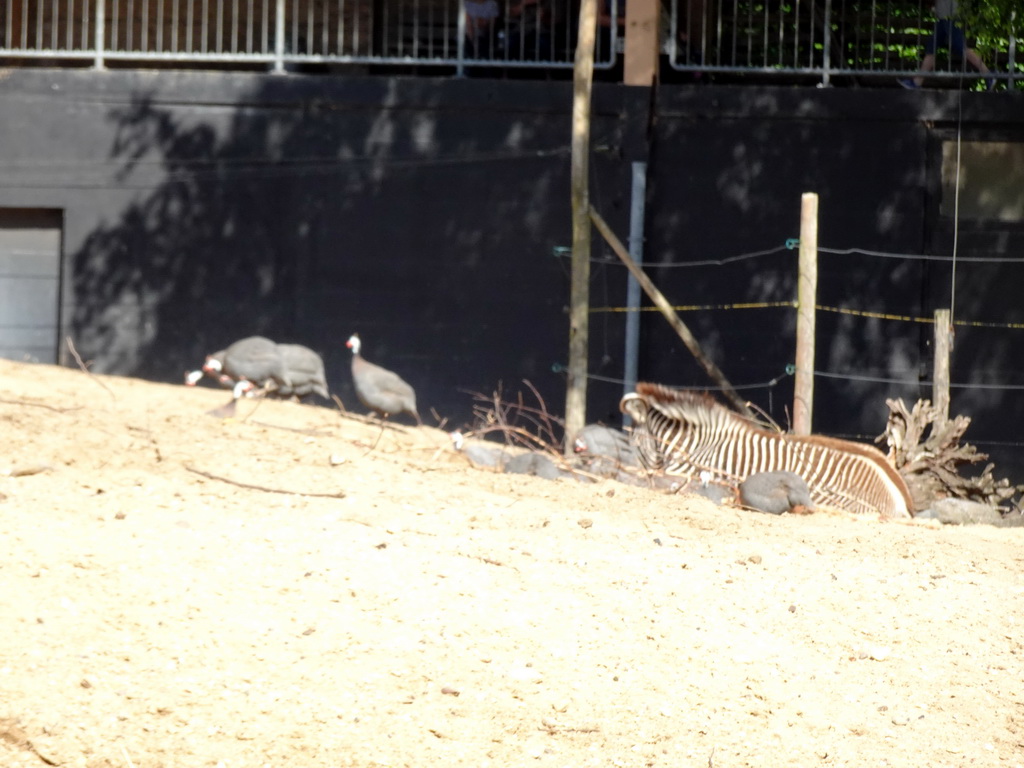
{"x": 39, "y": 405}
{"x": 312, "y": 431}
{"x": 84, "y": 367}
{"x": 126, "y": 758}
{"x": 488, "y": 560}
{"x": 211, "y": 476}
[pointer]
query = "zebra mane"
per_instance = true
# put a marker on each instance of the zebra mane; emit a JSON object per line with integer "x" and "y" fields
{"x": 689, "y": 405}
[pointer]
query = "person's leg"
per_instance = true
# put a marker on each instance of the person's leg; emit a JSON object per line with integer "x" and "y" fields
{"x": 975, "y": 60}
{"x": 927, "y": 65}
{"x": 958, "y": 45}
{"x": 939, "y": 39}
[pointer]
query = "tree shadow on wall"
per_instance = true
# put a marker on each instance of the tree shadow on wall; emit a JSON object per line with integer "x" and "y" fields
{"x": 306, "y": 210}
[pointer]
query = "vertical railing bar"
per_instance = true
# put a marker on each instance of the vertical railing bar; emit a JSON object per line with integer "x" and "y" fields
{"x": 719, "y": 31}
{"x": 279, "y": 37}
{"x": 412, "y": 17}
{"x": 796, "y": 34}
{"x": 325, "y": 30}
{"x": 673, "y": 32}
{"x": 309, "y": 30}
{"x": 144, "y": 32}
{"x": 175, "y": 21}
{"x": 85, "y": 24}
{"x": 874, "y": 30}
{"x": 400, "y": 38}
{"x": 218, "y": 46}
{"x": 249, "y": 21}
{"x": 764, "y": 42}
{"x": 98, "y": 61}
{"x": 24, "y": 24}
{"x": 341, "y": 26}
{"x": 888, "y": 40}
{"x": 204, "y": 27}
{"x": 55, "y": 24}
{"x": 160, "y": 25}
{"x": 1011, "y": 61}
{"x": 446, "y": 21}
{"x": 190, "y": 21}
{"x": 781, "y": 58}
{"x": 265, "y": 28}
{"x": 460, "y": 25}
{"x": 356, "y": 29}
{"x": 340, "y": 29}
{"x": 69, "y": 39}
{"x": 293, "y": 27}
{"x": 749, "y": 31}
{"x": 826, "y": 46}
{"x": 813, "y": 31}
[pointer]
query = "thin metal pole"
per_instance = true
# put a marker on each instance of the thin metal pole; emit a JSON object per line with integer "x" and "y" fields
{"x": 659, "y": 300}
{"x": 636, "y": 251}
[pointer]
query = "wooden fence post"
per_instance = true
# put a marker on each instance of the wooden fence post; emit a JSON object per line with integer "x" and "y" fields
{"x": 940, "y": 382}
{"x": 640, "y": 58}
{"x": 806, "y": 298}
{"x": 579, "y": 299}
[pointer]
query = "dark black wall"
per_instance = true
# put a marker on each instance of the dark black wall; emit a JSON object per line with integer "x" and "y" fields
{"x": 425, "y": 214}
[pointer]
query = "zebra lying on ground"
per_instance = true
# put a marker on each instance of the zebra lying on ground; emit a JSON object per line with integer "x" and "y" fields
{"x": 685, "y": 433}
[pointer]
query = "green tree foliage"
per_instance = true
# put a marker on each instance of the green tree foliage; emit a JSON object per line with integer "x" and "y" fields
{"x": 993, "y": 19}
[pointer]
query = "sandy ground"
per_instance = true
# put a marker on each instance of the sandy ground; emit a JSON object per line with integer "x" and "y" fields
{"x": 396, "y": 607}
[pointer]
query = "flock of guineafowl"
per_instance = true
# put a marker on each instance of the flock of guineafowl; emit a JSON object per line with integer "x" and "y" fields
{"x": 256, "y": 366}
{"x": 259, "y": 367}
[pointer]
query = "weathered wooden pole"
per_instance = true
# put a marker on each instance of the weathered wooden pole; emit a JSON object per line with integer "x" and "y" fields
{"x": 806, "y": 298}
{"x": 579, "y": 298}
{"x": 666, "y": 309}
{"x": 940, "y": 381}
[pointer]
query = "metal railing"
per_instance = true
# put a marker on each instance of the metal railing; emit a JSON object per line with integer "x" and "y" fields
{"x": 507, "y": 33}
{"x": 818, "y": 38}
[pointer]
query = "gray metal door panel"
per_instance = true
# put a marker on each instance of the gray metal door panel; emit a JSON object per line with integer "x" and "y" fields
{"x": 30, "y": 244}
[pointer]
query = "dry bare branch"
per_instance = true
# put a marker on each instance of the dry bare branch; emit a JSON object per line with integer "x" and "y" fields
{"x": 85, "y": 368}
{"x": 211, "y": 476}
{"x": 926, "y": 449}
{"x": 39, "y": 405}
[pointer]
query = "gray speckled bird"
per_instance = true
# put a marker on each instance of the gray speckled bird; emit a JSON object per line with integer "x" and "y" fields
{"x": 305, "y": 369}
{"x": 252, "y": 361}
{"x": 776, "y": 493}
{"x": 379, "y": 389}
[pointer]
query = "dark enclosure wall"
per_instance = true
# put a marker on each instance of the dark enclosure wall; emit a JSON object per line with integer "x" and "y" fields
{"x": 428, "y": 214}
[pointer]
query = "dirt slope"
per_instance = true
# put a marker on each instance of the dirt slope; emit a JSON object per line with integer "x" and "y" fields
{"x": 396, "y": 607}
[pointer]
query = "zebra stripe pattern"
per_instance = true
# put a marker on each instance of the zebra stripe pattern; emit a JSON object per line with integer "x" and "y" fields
{"x": 684, "y": 433}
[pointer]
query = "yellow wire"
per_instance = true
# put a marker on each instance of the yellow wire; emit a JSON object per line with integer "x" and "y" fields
{"x": 819, "y": 307}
